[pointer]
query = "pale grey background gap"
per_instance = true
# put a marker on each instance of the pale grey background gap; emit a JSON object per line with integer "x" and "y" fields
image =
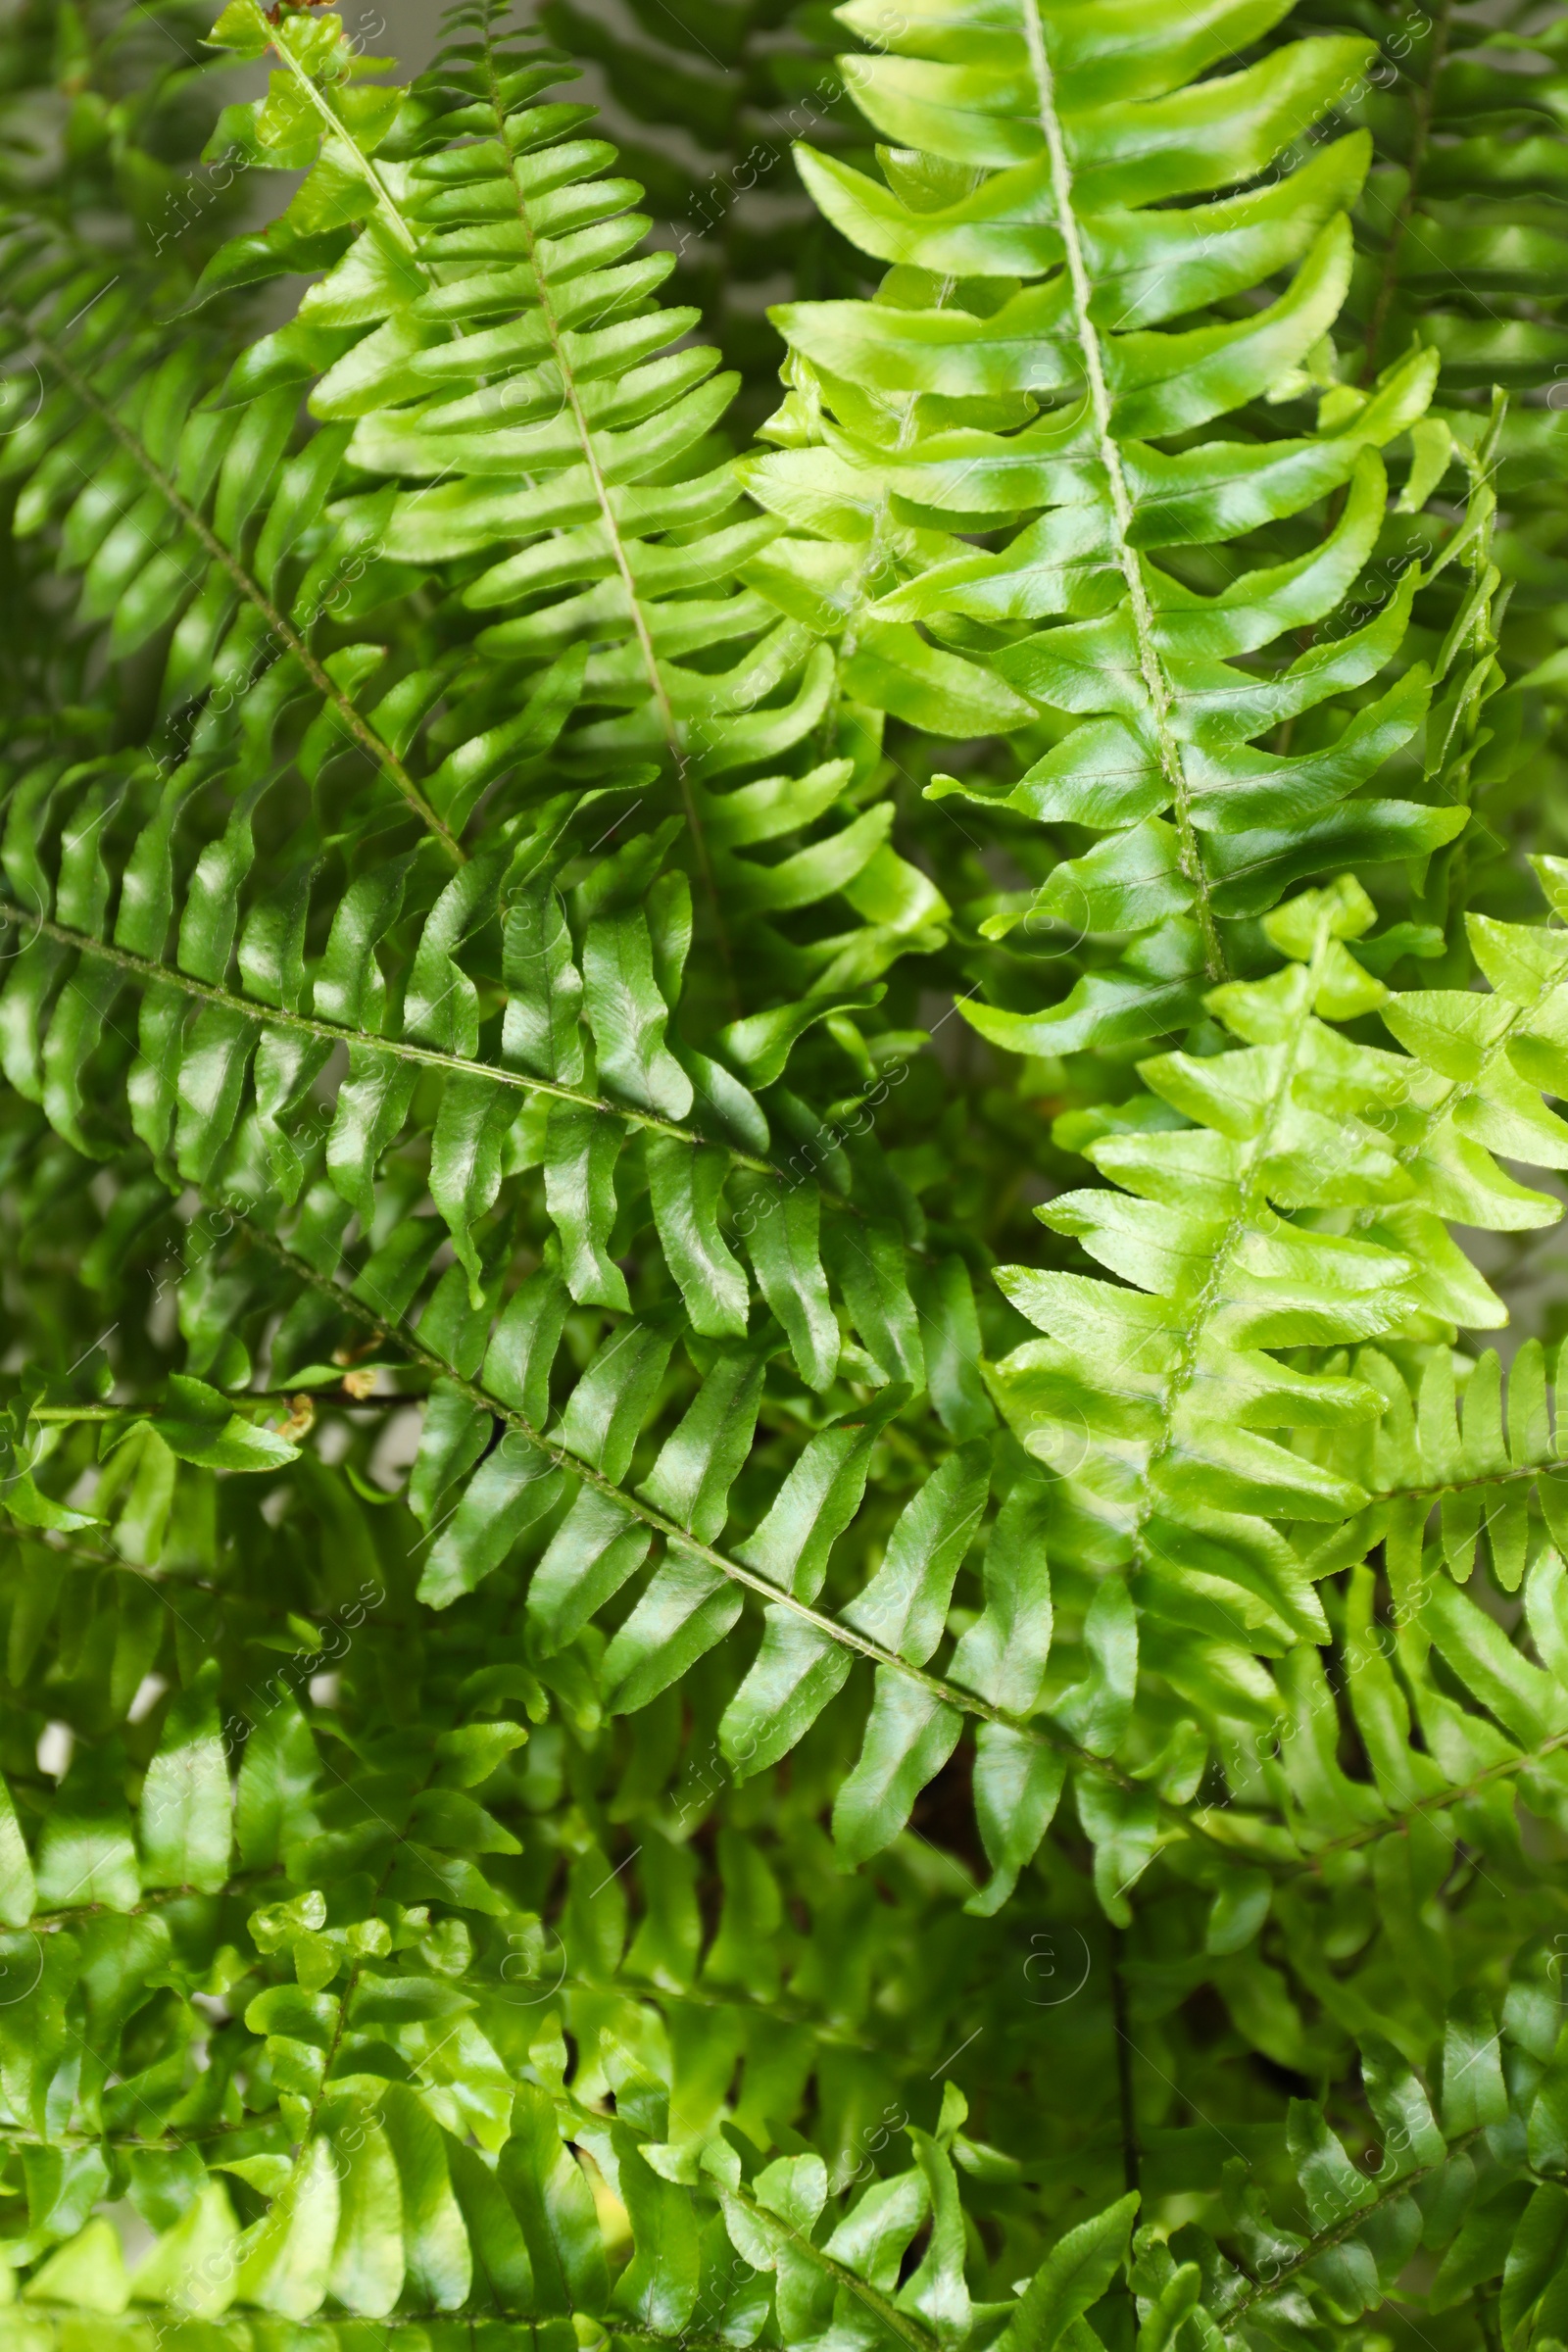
{"x": 413, "y": 27}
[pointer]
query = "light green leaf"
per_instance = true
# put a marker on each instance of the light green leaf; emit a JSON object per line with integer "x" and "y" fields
{"x": 186, "y": 1802}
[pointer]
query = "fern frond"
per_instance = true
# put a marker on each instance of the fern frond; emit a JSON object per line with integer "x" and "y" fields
{"x": 1441, "y": 1446}
{"x": 188, "y": 1095}
{"x": 383, "y": 2104}
{"x": 233, "y": 1102}
{"x": 1171, "y": 1476}
{"x": 1287, "y": 1197}
{"x": 704, "y": 103}
{"x": 971, "y": 409}
{"x": 593, "y": 1737}
{"x": 481, "y": 375}
{"x": 513, "y": 372}
{"x": 1462, "y": 216}
{"x": 103, "y": 117}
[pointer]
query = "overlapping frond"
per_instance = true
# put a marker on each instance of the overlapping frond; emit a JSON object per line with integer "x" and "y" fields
{"x": 1462, "y": 212}
{"x": 523, "y": 1061}
{"x": 1483, "y": 1457}
{"x": 191, "y": 530}
{"x": 1291, "y": 1196}
{"x": 339, "y": 2103}
{"x": 103, "y": 116}
{"x": 594, "y": 1739}
{"x": 704, "y": 102}
{"x": 1460, "y": 249}
{"x": 1059, "y": 344}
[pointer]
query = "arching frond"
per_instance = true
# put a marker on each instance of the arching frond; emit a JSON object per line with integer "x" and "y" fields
{"x": 685, "y": 1658}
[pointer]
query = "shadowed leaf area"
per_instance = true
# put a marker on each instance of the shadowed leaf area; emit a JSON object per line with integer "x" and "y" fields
{"x": 783, "y": 998}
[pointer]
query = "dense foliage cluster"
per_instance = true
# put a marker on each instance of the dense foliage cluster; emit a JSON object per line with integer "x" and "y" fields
{"x": 762, "y": 1578}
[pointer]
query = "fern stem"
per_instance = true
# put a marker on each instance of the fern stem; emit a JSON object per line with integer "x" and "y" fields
{"x": 69, "y": 1414}
{"x": 69, "y": 2315}
{"x": 686, "y": 1996}
{"x": 618, "y": 548}
{"x": 12, "y": 2135}
{"x": 1459, "y": 1090}
{"x": 951, "y": 1694}
{"x": 384, "y": 201}
{"x": 616, "y": 2331}
{"x": 1338, "y": 2231}
{"x": 1126, "y": 2104}
{"x": 151, "y": 1900}
{"x": 1511, "y": 1476}
{"x": 1149, "y": 660}
{"x": 1372, "y": 1832}
{"x": 277, "y": 1016}
{"x": 897, "y": 2322}
{"x": 258, "y": 1400}
{"x": 282, "y": 630}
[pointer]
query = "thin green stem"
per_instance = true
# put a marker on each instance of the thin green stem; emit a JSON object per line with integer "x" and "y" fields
{"x": 385, "y": 203}
{"x": 282, "y": 629}
{"x": 153, "y": 1899}
{"x": 1325, "y": 2240}
{"x": 951, "y": 1694}
{"x": 1456, "y": 1092}
{"x": 277, "y": 1016}
{"x": 1126, "y": 2104}
{"x": 900, "y": 2322}
{"x": 67, "y": 2318}
{"x": 1457, "y": 1793}
{"x": 619, "y": 555}
{"x": 1109, "y": 453}
{"x": 1511, "y": 1476}
{"x": 254, "y": 1400}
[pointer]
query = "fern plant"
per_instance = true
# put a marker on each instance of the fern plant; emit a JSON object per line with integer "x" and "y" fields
{"x": 638, "y": 1704}
{"x": 1464, "y": 142}
{"x": 705, "y": 103}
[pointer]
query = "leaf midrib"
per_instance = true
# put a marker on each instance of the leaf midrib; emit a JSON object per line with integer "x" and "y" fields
{"x": 277, "y": 1016}
{"x": 1148, "y": 660}
{"x": 282, "y": 629}
{"x": 949, "y": 1694}
{"x": 617, "y": 547}
{"x": 1249, "y": 1186}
